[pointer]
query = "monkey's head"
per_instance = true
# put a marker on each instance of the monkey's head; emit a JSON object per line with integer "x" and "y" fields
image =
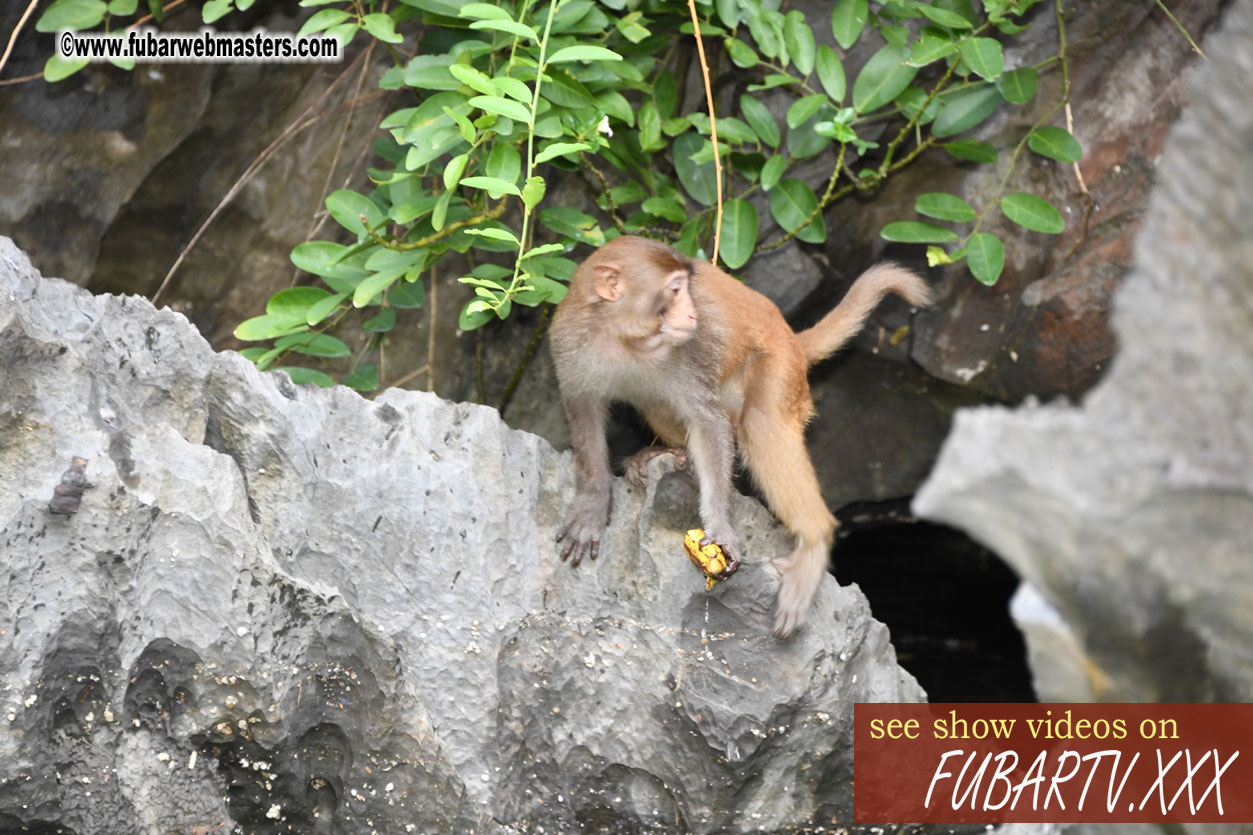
{"x": 642, "y": 287}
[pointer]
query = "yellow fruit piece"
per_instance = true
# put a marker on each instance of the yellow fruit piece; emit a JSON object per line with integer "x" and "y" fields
{"x": 710, "y": 558}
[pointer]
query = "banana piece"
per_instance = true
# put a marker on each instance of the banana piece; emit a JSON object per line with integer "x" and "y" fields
{"x": 710, "y": 559}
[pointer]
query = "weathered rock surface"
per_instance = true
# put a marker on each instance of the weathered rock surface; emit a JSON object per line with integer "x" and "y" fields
{"x": 1130, "y": 515}
{"x": 287, "y": 609}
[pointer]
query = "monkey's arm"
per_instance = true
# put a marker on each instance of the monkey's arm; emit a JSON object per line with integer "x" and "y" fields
{"x": 589, "y": 514}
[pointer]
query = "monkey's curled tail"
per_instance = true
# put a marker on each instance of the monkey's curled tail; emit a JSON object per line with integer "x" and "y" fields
{"x": 843, "y": 323}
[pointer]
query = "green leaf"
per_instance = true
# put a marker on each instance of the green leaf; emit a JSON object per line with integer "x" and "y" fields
{"x": 984, "y": 56}
{"x": 365, "y": 378}
{"x": 772, "y": 171}
{"x": 898, "y": 35}
{"x": 803, "y": 109}
{"x": 214, "y": 10}
{"x": 321, "y": 20}
{"x": 791, "y": 202}
{"x": 382, "y": 27}
{"x": 965, "y": 109}
{"x": 533, "y": 192}
{"x": 557, "y": 149}
{"x": 1055, "y": 143}
{"x": 314, "y": 345}
{"x": 665, "y": 94}
{"x": 583, "y": 52}
{"x": 382, "y": 323}
{"x": 473, "y": 79}
{"x": 668, "y": 208}
{"x": 728, "y": 12}
{"x": 1018, "y": 86}
{"x": 631, "y": 28}
{"x": 463, "y": 125}
{"x": 327, "y": 260}
{"x": 799, "y": 39}
{"x": 301, "y": 376}
{"x": 742, "y": 55}
{"x": 1033, "y": 213}
{"x": 986, "y": 256}
{"x": 269, "y": 326}
{"x": 521, "y": 30}
{"x": 699, "y": 181}
{"x": 761, "y": 120}
{"x": 319, "y": 310}
{"x": 734, "y": 132}
{"x": 495, "y": 234}
{"x": 571, "y": 223}
{"x": 770, "y": 82}
{"x": 513, "y": 88}
{"x": 739, "y": 232}
{"x": 123, "y": 8}
{"x": 366, "y": 292}
{"x": 454, "y": 169}
{"x": 483, "y": 11}
{"x": 942, "y": 206}
{"x": 650, "y": 128}
{"x": 913, "y": 232}
{"x": 157, "y": 9}
{"x": 503, "y": 163}
{"x": 971, "y": 150}
{"x": 912, "y": 99}
{"x": 930, "y": 48}
{"x": 966, "y": 8}
{"x": 474, "y": 315}
{"x": 616, "y": 105}
{"x": 542, "y": 249}
{"x": 831, "y": 73}
{"x": 57, "y": 68}
{"x": 406, "y": 294}
{"x": 848, "y": 18}
{"x": 884, "y": 77}
{"x": 71, "y": 14}
{"x": 502, "y": 107}
{"x": 944, "y": 17}
{"x": 346, "y": 206}
{"x": 440, "y": 213}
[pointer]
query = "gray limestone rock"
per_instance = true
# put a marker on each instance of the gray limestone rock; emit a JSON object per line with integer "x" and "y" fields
{"x": 280, "y": 608}
{"x": 1130, "y": 514}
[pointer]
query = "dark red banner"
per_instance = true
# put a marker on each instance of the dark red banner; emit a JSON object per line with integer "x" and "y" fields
{"x": 1053, "y": 763}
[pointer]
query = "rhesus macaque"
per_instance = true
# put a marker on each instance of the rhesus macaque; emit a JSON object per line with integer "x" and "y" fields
{"x": 712, "y": 365}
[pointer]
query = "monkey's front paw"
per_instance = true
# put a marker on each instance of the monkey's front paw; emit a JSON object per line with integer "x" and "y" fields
{"x": 637, "y": 464}
{"x": 729, "y": 548}
{"x": 580, "y": 536}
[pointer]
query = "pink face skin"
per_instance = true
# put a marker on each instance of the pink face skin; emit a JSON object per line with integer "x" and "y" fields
{"x": 652, "y": 319}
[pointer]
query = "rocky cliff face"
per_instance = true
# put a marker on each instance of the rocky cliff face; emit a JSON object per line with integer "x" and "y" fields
{"x": 1129, "y": 516}
{"x": 286, "y": 609}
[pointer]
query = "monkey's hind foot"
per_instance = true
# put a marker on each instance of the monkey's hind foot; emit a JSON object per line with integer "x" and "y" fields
{"x": 637, "y": 464}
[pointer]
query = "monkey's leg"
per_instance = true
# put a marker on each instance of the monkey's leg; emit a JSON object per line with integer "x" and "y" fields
{"x": 589, "y": 514}
{"x": 711, "y": 445}
{"x": 773, "y": 448}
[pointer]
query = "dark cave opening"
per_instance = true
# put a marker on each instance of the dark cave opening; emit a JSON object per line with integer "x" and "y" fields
{"x": 945, "y": 599}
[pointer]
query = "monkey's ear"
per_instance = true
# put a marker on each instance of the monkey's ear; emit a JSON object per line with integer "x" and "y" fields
{"x": 608, "y": 281}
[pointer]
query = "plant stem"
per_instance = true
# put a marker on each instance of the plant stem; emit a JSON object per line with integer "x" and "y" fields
{"x": 713, "y": 128}
{"x": 512, "y": 289}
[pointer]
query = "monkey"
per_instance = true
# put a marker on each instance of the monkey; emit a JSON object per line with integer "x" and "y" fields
{"x": 714, "y": 368}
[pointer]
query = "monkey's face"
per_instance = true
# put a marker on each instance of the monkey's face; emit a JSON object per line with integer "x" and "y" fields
{"x": 673, "y": 312}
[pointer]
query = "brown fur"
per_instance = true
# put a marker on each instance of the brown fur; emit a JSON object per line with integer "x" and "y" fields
{"x": 716, "y": 367}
